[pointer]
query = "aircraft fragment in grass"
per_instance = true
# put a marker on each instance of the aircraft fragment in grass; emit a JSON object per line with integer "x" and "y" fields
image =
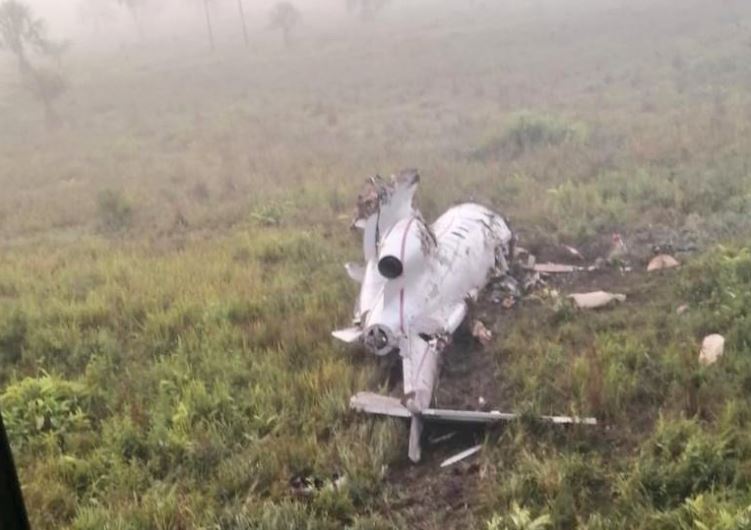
{"x": 416, "y": 283}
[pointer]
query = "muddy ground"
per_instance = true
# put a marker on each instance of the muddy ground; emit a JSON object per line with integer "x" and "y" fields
{"x": 430, "y": 497}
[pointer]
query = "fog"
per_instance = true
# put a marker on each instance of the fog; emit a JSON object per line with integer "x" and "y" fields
{"x": 176, "y": 204}
{"x": 99, "y": 23}
{"x": 145, "y": 105}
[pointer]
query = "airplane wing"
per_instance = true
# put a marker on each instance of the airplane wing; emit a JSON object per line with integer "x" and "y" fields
{"x": 371, "y": 403}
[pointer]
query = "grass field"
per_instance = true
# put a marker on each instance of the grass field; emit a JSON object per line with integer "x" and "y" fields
{"x": 170, "y": 270}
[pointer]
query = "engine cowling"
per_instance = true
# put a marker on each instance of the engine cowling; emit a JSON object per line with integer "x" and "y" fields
{"x": 404, "y": 248}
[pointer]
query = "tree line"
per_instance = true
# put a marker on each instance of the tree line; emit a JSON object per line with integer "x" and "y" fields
{"x": 39, "y": 58}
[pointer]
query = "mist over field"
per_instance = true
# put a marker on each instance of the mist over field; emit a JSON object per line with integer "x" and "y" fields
{"x": 177, "y": 190}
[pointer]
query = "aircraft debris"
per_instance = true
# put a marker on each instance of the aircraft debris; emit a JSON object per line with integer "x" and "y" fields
{"x": 662, "y": 261}
{"x": 573, "y": 252}
{"x": 532, "y": 281}
{"x": 416, "y": 283}
{"x": 461, "y": 456}
{"x": 443, "y": 438}
{"x": 712, "y": 348}
{"x": 596, "y": 300}
{"x": 481, "y": 333}
{"x": 557, "y": 268}
{"x": 307, "y": 485}
{"x": 504, "y": 289}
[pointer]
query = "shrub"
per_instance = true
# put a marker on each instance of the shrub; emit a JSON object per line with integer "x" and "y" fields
{"x": 36, "y": 407}
{"x": 114, "y": 211}
{"x": 528, "y": 132}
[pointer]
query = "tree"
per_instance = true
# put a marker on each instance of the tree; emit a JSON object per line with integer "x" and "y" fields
{"x": 285, "y": 16}
{"x": 241, "y": 13}
{"x": 367, "y": 9}
{"x": 207, "y": 4}
{"x": 95, "y": 13}
{"x": 209, "y": 27}
{"x": 46, "y": 86}
{"x": 20, "y": 32}
{"x": 134, "y": 8}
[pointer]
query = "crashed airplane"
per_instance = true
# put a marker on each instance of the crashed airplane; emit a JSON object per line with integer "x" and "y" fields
{"x": 416, "y": 283}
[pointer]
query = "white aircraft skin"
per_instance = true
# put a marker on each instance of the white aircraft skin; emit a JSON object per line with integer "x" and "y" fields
{"x": 417, "y": 280}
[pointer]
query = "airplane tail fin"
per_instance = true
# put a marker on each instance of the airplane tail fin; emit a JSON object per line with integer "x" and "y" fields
{"x": 382, "y": 205}
{"x": 371, "y": 403}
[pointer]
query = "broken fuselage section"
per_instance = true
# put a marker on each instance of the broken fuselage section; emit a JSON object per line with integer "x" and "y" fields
{"x": 416, "y": 282}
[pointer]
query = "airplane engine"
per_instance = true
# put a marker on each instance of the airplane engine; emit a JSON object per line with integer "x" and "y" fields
{"x": 380, "y": 340}
{"x": 404, "y": 248}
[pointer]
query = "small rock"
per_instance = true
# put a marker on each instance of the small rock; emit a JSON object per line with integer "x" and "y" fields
{"x": 712, "y": 348}
{"x": 681, "y": 309}
{"x": 481, "y": 333}
{"x": 555, "y": 268}
{"x": 663, "y": 261}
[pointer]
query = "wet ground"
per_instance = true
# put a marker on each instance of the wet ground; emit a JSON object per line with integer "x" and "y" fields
{"x": 431, "y": 497}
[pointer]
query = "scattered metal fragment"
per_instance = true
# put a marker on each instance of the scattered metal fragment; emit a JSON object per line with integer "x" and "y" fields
{"x": 443, "y": 438}
{"x": 596, "y": 300}
{"x": 531, "y": 261}
{"x": 307, "y": 485}
{"x": 574, "y": 252}
{"x": 504, "y": 289}
{"x": 712, "y": 348}
{"x": 556, "y": 268}
{"x": 461, "y": 456}
{"x": 662, "y": 261}
{"x": 532, "y": 281}
{"x": 520, "y": 251}
{"x": 510, "y": 285}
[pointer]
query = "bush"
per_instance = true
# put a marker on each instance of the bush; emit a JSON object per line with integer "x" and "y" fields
{"x": 114, "y": 211}
{"x": 35, "y": 408}
{"x": 528, "y": 132}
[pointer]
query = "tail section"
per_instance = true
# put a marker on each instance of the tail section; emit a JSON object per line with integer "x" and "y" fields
{"x": 382, "y": 204}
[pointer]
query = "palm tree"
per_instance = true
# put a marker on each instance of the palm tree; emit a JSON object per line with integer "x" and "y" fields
{"x": 285, "y": 16}
{"x": 20, "y": 31}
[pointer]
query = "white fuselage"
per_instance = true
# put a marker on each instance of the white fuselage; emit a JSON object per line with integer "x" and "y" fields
{"x": 442, "y": 266}
{"x": 417, "y": 279}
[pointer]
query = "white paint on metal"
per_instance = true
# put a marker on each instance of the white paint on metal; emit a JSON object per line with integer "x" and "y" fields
{"x": 461, "y": 456}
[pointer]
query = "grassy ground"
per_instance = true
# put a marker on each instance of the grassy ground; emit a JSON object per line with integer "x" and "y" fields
{"x": 171, "y": 270}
